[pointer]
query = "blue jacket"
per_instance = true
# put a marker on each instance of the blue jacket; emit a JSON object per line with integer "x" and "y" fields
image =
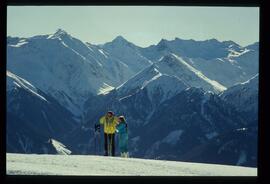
{"x": 123, "y": 136}
{"x": 122, "y": 128}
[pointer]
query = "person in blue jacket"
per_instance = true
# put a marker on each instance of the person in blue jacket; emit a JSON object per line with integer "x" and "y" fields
{"x": 122, "y": 131}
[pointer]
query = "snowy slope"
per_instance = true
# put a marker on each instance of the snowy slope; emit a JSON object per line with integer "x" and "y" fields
{"x": 14, "y": 81}
{"x": 176, "y": 66}
{"x": 139, "y": 97}
{"x": 127, "y": 52}
{"x": 225, "y": 71}
{"x": 33, "y": 117}
{"x": 146, "y": 94}
{"x": 65, "y": 67}
{"x": 234, "y": 68}
{"x": 152, "y": 79}
{"x": 244, "y": 96}
{"x": 171, "y": 66}
{"x": 20, "y": 164}
{"x": 225, "y": 62}
{"x": 192, "y": 118}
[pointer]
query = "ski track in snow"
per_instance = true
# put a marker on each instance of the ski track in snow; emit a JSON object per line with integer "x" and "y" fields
{"x": 33, "y": 164}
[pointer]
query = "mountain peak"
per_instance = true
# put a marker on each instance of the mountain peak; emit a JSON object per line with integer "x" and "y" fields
{"x": 60, "y": 32}
{"x": 119, "y": 39}
{"x": 163, "y": 45}
{"x": 229, "y": 42}
{"x": 162, "y": 41}
{"x": 213, "y": 40}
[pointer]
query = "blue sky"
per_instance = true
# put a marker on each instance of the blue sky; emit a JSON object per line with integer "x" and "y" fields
{"x": 142, "y": 25}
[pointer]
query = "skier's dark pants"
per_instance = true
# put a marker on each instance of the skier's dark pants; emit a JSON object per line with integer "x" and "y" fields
{"x": 109, "y": 139}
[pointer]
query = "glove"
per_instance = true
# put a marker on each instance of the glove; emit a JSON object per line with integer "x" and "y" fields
{"x": 97, "y": 127}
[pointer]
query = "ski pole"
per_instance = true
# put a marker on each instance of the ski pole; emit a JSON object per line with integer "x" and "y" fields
{"x": 99, "y": 143}
{"x": 95, "y": 141}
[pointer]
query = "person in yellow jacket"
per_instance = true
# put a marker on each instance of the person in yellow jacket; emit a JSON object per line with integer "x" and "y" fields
{"x": 109, "y": 121}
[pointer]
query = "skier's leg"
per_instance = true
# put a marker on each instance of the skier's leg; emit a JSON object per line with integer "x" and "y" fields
{"x": 110, "y": 144}
{"x": 106, "y": 144}
{"x": 121, "y": 144}
{"x": 113, "y": 144}
{"x": 126, "y": 145}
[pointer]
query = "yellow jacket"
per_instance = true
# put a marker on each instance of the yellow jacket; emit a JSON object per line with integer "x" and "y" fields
{"x": 109, "y": 124}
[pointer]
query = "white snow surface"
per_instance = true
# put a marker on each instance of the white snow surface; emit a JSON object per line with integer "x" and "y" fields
{"x": 87, "y": 165}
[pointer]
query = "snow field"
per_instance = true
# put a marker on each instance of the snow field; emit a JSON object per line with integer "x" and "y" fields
{"x": 87, "y": 165}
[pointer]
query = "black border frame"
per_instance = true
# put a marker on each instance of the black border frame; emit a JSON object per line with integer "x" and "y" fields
{"x": 263, "y": 92}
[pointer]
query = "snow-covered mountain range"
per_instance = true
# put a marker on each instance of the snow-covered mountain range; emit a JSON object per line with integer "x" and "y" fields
{"x": 65, "y": 67}
{"x": 225, "y": 62}
{"x": 177, "y": 96}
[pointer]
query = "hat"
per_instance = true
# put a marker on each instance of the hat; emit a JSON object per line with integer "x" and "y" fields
{"x": 122, "y": 118}
{"x": 110, "y": 112}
